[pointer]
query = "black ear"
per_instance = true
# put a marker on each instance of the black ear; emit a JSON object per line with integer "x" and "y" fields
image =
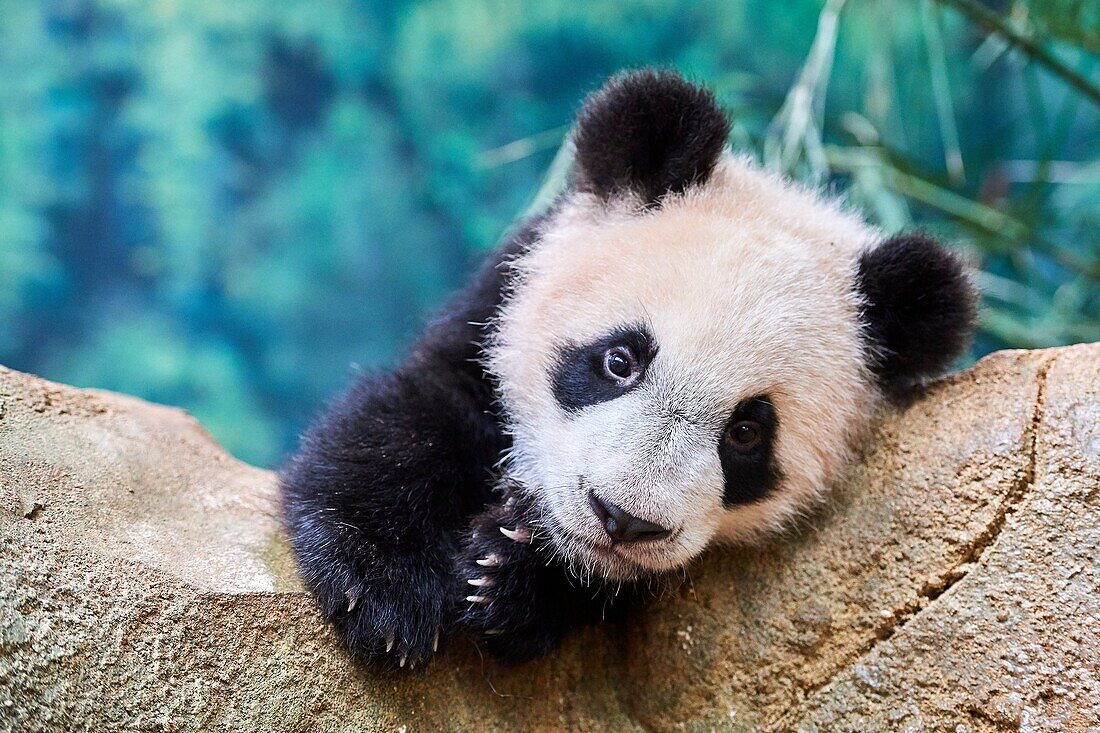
{"x": 919, "y": 308}
{"x": 647, "y": 132}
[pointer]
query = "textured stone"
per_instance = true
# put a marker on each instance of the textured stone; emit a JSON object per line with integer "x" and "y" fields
{"x": 952, "y": 584}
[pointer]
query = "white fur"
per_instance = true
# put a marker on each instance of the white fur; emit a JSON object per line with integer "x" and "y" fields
{"x": 746, "y": 283}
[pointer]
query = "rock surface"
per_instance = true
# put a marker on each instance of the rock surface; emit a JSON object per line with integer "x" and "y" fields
{"x": 953, "y": 584}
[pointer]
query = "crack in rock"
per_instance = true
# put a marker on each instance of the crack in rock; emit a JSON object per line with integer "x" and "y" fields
{"x": 971, "y": 558}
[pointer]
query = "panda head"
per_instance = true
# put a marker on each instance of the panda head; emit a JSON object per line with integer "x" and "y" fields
{"x": 691, "y": 345}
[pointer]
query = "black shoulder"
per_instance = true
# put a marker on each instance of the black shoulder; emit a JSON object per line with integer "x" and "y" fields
{"x": 429, "y": 420}
{"x": 918, "y": 307}
{"x": 647, "y": 132}
{"x": 458, "y": 332}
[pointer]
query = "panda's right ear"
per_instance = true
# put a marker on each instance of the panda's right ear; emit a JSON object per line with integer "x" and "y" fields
{"x": 648, "y": 133}
{"x": 918, "y": 308}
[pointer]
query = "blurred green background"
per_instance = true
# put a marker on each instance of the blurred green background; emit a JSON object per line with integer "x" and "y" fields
{"x": 232, "y": 206}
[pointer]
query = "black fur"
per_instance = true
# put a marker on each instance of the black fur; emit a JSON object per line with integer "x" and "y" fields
{"x": 750, "y": 475}
{"x": 650, "y": 133}
{"x": 919, "y": 308}
{"x": 384, "y": 484}
{"x": 578, "y": 380}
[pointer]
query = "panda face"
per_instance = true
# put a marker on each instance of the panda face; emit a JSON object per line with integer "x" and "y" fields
{"x": 690, "y": 372}
{"x": 688, "y": 350}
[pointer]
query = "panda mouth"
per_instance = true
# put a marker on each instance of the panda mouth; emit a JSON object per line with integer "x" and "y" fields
{"x": 588, "y": 551}
{"x": 623, "y": 549}
{"x": 621, "y": 559}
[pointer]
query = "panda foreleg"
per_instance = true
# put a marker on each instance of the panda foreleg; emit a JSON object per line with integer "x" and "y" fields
{"x": 377, "y": 497}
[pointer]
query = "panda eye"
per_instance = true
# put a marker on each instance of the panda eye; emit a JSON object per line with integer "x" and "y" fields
{"x": 619, "y": 364}
{"x": 587, "y": 374}
{"x": 746, "y": 449}
{"x": 744, "y": 435}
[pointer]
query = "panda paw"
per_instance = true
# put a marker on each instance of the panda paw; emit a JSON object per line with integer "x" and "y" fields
{"x": 394, "y": 614}
{"x": 511, "y": 595}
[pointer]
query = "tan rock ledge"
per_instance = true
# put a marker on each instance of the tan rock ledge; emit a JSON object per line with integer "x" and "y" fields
{"x": 952, "y": 585}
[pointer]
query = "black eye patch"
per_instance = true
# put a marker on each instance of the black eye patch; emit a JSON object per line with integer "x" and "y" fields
{"x": 747, "y": 451}
{"x": 579, "y": 379}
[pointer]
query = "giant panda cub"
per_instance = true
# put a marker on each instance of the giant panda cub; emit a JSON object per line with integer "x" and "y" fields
{"x": 681, "y": 351}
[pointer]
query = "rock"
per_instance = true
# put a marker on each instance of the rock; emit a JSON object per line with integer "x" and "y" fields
{"x": 952, "y": 584}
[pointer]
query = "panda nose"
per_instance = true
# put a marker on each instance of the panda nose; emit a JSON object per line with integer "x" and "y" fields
{"x": 622, "y": 526}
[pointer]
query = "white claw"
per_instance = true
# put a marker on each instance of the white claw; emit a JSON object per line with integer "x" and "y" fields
{"x": 494, "y": 632}
{"x": 510, "y": 503}
{"x": 492, "y": 561}
{"x": 483, "y": 582}
{"x": 412, "y": 664}
{"x": 402, "y": 662}
{"x": 519, "y": 534}
{"x": 479, "y": 599}
{"x": 352, "y": 594}
{"x": 435, "y": 642}
{"x": 389, "y": 642}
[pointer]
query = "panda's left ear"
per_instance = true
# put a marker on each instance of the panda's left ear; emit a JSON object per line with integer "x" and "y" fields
{"x": 647, "y": 132}
{"x": 918, "y": 308}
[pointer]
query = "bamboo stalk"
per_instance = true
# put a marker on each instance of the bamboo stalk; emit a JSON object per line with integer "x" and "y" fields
{"x": 993, "y": 22}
